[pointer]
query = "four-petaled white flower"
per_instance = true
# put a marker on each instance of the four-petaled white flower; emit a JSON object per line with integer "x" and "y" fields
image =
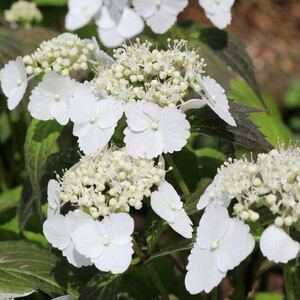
{"x": 167, "y": 204}
{"x": 81, "y": 12}
{"x": 159, "y": 15}
{"x": 113, "y": 33}
{"x": 276, "y": 245}
{"x": 222, "y": 243}
{"x": 218, "y": 11}
{"x": 153, "y": 130}
{"x": 214, "y": 96}
{"x": 51, "y": 98}
{"x": 53, "y": 198}
{"x": 58, "y": 230}
{"x": 214, "y": 194}
{"x": 14, "y": 82}
{"x": 107, "y": 243}
{"x": 94, "y": 119}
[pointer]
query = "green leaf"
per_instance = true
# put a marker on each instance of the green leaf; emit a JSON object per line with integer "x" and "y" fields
{"x": 101, "y": 287}
{"x": 292, "y": 97}
{"x": 25, "y": 267}
{"x": 9, "y": 199}
{"x": 39, "y": 145}
{"x": 233, "y": 52}
{"x": 51, "y": 2}
{"x": 268, "y": 296}
{"x": 246, "y": 133}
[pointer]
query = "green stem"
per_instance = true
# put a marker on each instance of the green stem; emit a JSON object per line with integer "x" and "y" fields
{"x": 158, "y": 283}
{"x": 183, "y": 186}
{"x": 288, "y": 282}
{"x": 139, "y": 253}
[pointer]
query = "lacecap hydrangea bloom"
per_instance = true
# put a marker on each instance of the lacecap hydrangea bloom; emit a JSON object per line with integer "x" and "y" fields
{"x": 98, "y": 193}
{"x": 23, "y": 12}
{"x": 151, "y": 87}
{"x": 271, "y": 182}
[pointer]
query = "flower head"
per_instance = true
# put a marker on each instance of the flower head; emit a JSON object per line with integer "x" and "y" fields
{"x": 14, "y": 82}
{"x": 107, "y": 243}
{"x": 217, "y": 249}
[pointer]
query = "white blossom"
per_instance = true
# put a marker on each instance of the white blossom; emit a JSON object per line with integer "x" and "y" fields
{"x": 112, "y": 33}
{"x": 276, "y": 245}
{"x": 52, "y": 97}
{"x": 160, "y": 15}
{"x": 23, "y": 12}
{"x": 81, "y": 12}
{"x": 106, "y": 243}
{"x": 167, "y": 204}
{"x": 58, "y": 230}
{"x": 53, "y": 192}
{"x": 222, "y": 244}
{"x": 94, "y": 118}
{"x": 109, "y": 181}
{"x": 218, "y": 11}
{"x": 153, "y": 130}
{"x": 14, "y": 82}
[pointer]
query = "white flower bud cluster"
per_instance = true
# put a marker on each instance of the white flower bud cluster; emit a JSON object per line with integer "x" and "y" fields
{"x": 64, "y": 54}
{"x": 159, "y": 76}
{"x": 272, "y": 181}
{"x": 110, "y": 181}
{"x": 23, "y": 12}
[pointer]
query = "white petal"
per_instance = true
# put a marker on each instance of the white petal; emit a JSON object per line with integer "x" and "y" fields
{"x": 14, "y": 82}
{"x": 75, "y": 21}
{"x": 174, "y": 6}
{"x": 182, "y": 224}
{"x": 96, "y": 139}
{"x": 203, "y": 273}
{"x": 102, "y": 57}
{"x": 131, "y": 24}
{"x": 221, "y": 19}
{"x": 214, "y": 194}
{"x": 110, "y": 37}
{"x": 161, "y": 21}
{"x": 87, "y": 239}
{"x": 276, "y": 245}
{"x": 118, "y": 227}
{"x": 174, "y": 128}
{"x": 57, "y": 232}
{"x": 216, "y": 99}
{"x": 115, "y": 259}
{"x": 145, "y": 8}
{"x": 147, "y": 144}
{"x": 75, "y": 258}
{"x": 213, "y": 225}
{"x": 53, "y": 197}
{"x": 236, "y": 245}
{"x": 192, "y": 104}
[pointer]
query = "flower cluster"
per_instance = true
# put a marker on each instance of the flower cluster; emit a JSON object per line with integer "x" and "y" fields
{"x": 117, "y": 20}
{"x": 64, "y": 55}
{"x": 272, "y": 181}
{"x": 109, "y": 181}
{"x": 23, "y": 12}
{"x": 98, "y": 193}
{"x": 143, "y": 73}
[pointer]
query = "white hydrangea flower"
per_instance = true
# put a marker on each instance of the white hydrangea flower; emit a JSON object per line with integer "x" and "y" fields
{"x": 160, "y": 15}
{"x": 276, "y": 245}
{"x": 222, "y": 244}
{"x": 218, "y": 11}
{"x": 167, "y": 204}
{"x": 112, "y": 33}
{"x": 153, "y": 130}
{"x": 53, "y": 191}
{"x": 214, "y": 194}
{"x": 94, "y": 119}
{"x": 14, "y": 82}
{"x": 81, "y": 12}
{"x": 52, "y": 97}
{"x": 109, "y": 181}
{"x": 23, "y": 12}
{"x": 107, "y": 243}
{"x": 58, "y": 230}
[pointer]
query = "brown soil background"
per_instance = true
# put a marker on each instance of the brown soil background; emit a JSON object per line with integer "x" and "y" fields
{"x": 270, "y": 30}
